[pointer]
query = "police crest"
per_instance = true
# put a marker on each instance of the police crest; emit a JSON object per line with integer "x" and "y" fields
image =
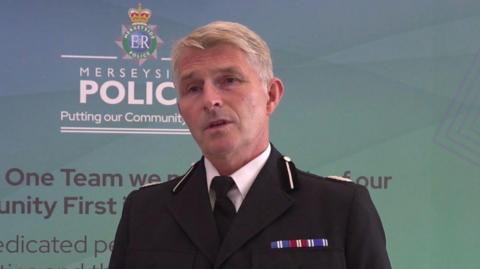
{"x": 139, "y": 41}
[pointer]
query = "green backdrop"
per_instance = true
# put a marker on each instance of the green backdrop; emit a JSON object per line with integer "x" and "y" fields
{"x": 385, "y": 92}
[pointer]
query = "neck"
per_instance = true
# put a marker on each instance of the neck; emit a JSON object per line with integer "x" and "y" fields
{"x": 227, "y": 164}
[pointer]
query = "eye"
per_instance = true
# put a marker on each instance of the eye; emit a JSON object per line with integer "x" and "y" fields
{"x": 193, "y": 89}
{"x": 189, "y": 89}
{"x": 230, "y": 81}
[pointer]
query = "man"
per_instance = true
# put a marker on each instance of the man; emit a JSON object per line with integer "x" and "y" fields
{"x": 243, "y": 205}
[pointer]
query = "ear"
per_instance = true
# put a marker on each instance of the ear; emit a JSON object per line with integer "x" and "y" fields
{"x": 275, "y": 93}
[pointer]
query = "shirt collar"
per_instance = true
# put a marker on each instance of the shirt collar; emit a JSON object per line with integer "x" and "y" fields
{"x": 243, "y": 177}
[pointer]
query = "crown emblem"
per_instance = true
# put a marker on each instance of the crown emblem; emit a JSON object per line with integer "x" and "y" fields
{"x": 139, "y": 41}
{"x": 139, "y": 15}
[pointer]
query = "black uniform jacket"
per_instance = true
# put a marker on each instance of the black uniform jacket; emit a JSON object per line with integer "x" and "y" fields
{"x": 166, "y": 229}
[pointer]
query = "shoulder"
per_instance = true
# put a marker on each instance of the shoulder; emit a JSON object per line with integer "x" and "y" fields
{"x": 164, "y": 190}
{"x": 334, "y": 181}
{"x": 332, "y": 187}
{"x": 153, "y": 191}
{"x": 158, "y": 186}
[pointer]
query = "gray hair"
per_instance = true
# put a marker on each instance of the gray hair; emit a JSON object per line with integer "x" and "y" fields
{"x": 238, "y": 35}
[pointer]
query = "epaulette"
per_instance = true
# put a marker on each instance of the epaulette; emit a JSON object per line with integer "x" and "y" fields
{"x": 339, "y": 178}
{"x": 289, "y": 172}
{"x": 150, "y": 184}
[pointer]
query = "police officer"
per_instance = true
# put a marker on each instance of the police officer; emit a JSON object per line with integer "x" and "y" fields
{"x": 243, "y": 204}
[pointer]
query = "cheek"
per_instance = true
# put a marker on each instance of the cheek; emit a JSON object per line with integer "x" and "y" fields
{"x": 187, "y": 116}
{"x": 256, "y": 104}
{"x": 245, "y": 108}
{"x": 252, "y": 112}
{"x": 184, "y": 107}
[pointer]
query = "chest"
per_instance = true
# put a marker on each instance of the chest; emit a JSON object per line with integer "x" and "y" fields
{"x": 160, "y": 242}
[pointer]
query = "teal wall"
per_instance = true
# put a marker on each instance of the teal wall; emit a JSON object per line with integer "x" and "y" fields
{"x": 386, "y": 92}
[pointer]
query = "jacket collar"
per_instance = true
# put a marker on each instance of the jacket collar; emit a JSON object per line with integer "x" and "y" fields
{"x": 191, "y": 208}
{"x": 266, "y": 201}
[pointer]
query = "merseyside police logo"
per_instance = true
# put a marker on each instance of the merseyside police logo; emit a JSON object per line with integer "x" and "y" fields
{"x": 139, "y": 41}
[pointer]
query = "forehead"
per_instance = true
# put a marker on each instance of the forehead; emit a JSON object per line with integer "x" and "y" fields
{"x": 219, "y": 57}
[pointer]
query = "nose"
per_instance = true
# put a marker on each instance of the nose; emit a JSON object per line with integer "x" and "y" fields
{"x": 212, "y": 98}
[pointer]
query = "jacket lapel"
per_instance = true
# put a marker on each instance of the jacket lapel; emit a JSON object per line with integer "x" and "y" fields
{"x": 192, "y": 210}
{"x": 265, "y": 201}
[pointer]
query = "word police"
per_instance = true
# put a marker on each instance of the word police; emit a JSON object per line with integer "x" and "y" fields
{"x": 114, "y": 92}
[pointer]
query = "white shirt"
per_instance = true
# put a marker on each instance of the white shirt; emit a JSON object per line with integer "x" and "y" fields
{"x": 243, "y": 178}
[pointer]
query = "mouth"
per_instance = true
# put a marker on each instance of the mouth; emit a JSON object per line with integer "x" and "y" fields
{"x": 216, "y": 124}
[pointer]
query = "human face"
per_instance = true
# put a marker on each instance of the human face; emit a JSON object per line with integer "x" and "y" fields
{"x": 223, "y": 101}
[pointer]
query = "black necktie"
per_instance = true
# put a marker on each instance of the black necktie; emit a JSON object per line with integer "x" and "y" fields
{"x": 223, "y": 210}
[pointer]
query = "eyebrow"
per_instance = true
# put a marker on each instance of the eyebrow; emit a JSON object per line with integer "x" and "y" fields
{"x": 186, "y": 77}
{"x": 229, "y": 69}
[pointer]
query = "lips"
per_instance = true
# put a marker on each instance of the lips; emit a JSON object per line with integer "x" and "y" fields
{"x": 217, "y": 124}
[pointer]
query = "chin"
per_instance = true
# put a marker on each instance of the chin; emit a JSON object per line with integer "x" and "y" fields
{"x": 220, "y": 148}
